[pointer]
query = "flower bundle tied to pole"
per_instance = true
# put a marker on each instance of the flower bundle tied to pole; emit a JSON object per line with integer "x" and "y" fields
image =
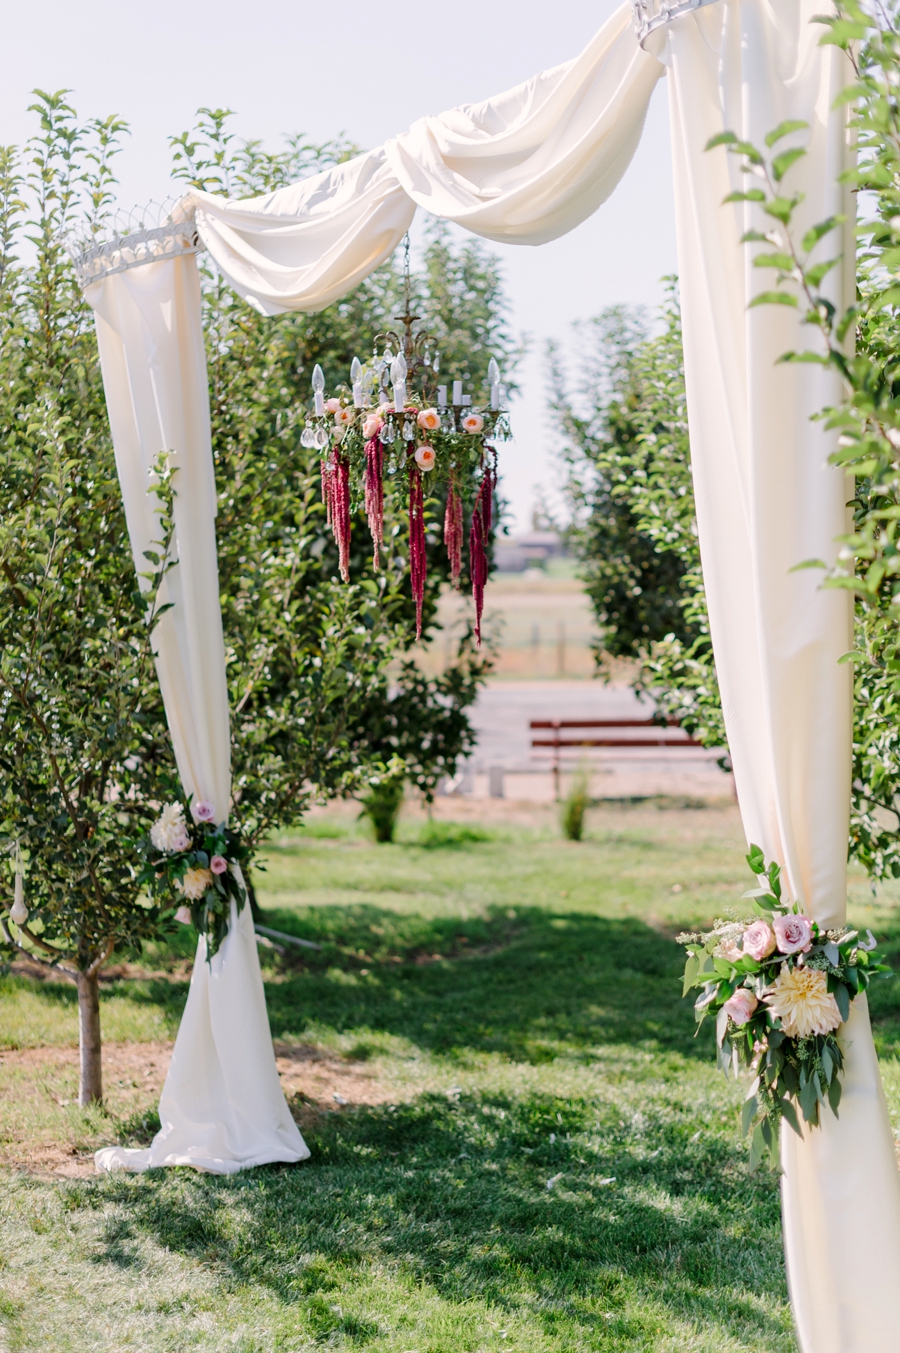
{"x": 780, "y": 988}
{"x": 187, "y": 857}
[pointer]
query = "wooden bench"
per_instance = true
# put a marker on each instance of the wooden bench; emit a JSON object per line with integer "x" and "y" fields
{"x": 558, "y": 742}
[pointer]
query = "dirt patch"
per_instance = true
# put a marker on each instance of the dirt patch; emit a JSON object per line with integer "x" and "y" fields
{"x": 43, "y": 1131}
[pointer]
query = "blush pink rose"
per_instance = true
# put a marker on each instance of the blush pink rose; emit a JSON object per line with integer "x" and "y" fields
{"x": 425, "y": 457}
{"x": 332, "y": 405}
{"x": 740, "y": 1006}
{"x": 343, "y": 416}
{"x": 372, "y": 425}
{"x": 759, "y": 940}
{"x": 793, "y": 933}
{"x": 218, "y": 864}
{"x": 183, "y": 914}
{"x": 203, "y": 811}
{"x": 429, "y": 420}
{"x": 473, "y": 422}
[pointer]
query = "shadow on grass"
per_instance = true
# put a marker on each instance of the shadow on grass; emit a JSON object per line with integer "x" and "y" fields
{"x": 644, "y": 1227}
{"x": 529, "y": 987}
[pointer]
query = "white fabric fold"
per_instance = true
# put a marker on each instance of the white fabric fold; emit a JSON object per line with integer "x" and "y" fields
{"x": 150, "y": 336}
{"x": 222, "y": 1107}
{"x": 767, "y": 500}
{"x": 525, "y": 166}
{"x": 308, "y": 244}
{"x": 533, "y": 163}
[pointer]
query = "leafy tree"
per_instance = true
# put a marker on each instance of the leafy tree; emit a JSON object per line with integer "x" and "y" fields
{"x": 627, "y": 457}
{"x": 85, "y": 757}
{"x": 83, "y": 747}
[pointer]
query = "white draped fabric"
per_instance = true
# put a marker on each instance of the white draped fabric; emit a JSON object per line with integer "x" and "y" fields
{"x": 222, "y": 1107}
{"x": 527, "y": 166}
{"x": 767, "y": 500}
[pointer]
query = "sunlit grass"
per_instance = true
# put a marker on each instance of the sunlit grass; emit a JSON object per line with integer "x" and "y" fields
{"x": 559, "y": 1166}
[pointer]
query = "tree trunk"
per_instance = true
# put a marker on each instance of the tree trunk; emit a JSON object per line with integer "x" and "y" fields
{"x": 90, "y": 1090}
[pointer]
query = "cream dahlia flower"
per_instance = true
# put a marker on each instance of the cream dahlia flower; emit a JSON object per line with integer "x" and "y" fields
{"x": 169, "y": 832}
{"x": 800, "y": 998}
{"x": 195, "y": 883}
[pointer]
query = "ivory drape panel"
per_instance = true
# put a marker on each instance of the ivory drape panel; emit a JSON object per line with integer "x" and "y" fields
{"x": 222, "y": 1108}
{"x": 767, "y": 500}
{"x": 524, "y": 166}
{"x": 527, "y": 166}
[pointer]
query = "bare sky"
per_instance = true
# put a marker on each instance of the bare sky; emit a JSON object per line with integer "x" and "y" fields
{"x": 368, "y": 71}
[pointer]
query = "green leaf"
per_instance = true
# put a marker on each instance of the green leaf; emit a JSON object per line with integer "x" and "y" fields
{"x": 816, "y": 275}
{"x": 782, "y": 261}
{"x": 784, "y": 129}
{"x": 889, "y": 297}
{"x": 750, "y": 195}
{"x": 818, "y": 232}
{"x": 782, "y": 208}
{"x": 835, "y": 1090}
{"x": 789, "y": 1113}
{"x": 773, "y": 298}
{"x": 782, "y": 163}
{"x": 691, "y": 970}
{"x": 809, "y": 1100}
{"x": 721, "y": 139}
{"x": 748, "y": 1113}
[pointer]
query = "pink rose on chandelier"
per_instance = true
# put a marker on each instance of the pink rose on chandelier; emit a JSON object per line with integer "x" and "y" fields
{"x": 741, "y": 1006}
{"x": 793, "y": 933}
{"x": 429, "y": 420}
{"x": 473, "y": 422}
{"x": 425, "y": 457}
{"x": 203, "y": 811}
{"x": 372, "y": 426}
{"x": 343, "y": 417}
{"x": 218, "y": 864}
{"x": 759, "y": 941}
{"x": 332, "y": 405}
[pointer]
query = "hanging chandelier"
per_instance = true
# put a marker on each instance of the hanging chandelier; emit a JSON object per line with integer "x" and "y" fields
{"x": 394, "y": 426}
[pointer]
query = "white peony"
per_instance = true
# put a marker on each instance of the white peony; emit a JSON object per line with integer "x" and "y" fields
{"x": 169, "y": 832}
{"x": 195, "y": 882}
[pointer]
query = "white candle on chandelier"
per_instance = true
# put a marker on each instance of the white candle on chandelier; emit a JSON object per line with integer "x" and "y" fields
{"x": 356, "y": 382}
{"x": 457, "y": 392}
{"x": 494, "y": 378}
{"x": 442, "y": 396}
{"x": 318, "y": 385}
{"x": 398, "y": 380}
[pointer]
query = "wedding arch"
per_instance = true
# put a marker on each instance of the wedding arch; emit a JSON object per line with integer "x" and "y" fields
{"x": 526, "y": 167}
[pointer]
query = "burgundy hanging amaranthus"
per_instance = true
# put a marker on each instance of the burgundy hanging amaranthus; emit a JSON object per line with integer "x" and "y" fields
{"x": 453, "y": 531}
{"x": 375, "y": 493}
{"x": 336, "y": 496}
{"x": 418, "y": 560}
{"x": 479, "y": 534}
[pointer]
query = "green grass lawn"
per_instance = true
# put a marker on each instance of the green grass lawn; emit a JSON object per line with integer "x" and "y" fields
{"x": 557, "y": 1165}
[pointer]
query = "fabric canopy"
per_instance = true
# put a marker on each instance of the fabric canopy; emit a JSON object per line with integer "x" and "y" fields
{"x": 526, "y": 167}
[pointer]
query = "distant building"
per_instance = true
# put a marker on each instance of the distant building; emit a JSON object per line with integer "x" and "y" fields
{"x": 527, "y": 551}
